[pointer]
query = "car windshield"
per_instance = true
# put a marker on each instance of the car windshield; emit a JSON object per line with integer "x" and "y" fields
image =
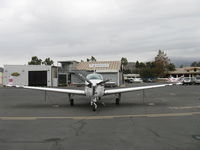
{"x": 187, "y": 79}
{"x": 94, "y": 77}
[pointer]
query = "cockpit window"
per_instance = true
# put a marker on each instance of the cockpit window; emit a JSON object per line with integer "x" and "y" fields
{"x": 94, "y": 77}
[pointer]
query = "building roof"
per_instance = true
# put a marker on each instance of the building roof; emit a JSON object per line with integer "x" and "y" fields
{"x": 192, "y": 68}
{"x": 68, "y": 61}
{"x": 99, "y": 65}
{"x": 186, "y": 70}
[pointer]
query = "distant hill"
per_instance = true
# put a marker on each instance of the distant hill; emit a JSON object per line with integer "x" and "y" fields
{"x": 183, "y": 61}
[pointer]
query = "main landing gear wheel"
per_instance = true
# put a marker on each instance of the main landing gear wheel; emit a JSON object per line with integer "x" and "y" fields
{"x": 71, "y": 102}
{"x": 94, "y": 106}
{"x": 117, "y": 101}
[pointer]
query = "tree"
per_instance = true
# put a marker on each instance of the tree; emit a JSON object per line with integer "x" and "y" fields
{"x": 48, "y": 61}
{"x": 195, "y": 64}
{"x": 124, "y": 63}
{"x": 35, "y": 61}
{"x": 150, "y": 64}
{"x": 157, "y": 68}
{"x": 91, "y": 59}
{"x": 127, "y": 71}
{"x": 161, "y": 64}
{"x": 142, "y": 65}
{"x": 147, "y": 73}
{"x": 137, "y": 64}
{"x": 171, "y": 67}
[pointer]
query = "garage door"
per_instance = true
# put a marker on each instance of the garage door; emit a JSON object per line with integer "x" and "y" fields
{"x": 112, "y": 77}
{"x": 37, "y": 78}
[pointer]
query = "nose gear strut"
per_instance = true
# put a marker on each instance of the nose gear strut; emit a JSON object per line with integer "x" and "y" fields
{"x": 94, "y": 104}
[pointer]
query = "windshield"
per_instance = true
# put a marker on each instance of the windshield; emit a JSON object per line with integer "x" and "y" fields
{"x": 94, "y": 77}
{"x": 187, "y": 79}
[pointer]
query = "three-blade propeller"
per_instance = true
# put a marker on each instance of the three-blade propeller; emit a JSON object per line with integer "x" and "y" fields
{"x": 103, "y": 82}
{"x": 89, "y": 82}
{"x": 83, "y": 78}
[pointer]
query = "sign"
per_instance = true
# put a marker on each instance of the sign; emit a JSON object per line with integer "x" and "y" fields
{"x": 98, "y": 65}
{"x": 10, "y": 81}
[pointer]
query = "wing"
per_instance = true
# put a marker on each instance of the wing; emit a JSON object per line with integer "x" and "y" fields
{"x": 69, "y": 91}
{"x": 123, "y": 90}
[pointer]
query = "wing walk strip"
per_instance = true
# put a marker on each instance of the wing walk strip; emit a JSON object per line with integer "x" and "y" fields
{"x": 102, "y": 117}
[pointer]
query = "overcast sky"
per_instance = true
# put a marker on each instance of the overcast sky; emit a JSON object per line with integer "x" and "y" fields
{"x": 106, "y": 29}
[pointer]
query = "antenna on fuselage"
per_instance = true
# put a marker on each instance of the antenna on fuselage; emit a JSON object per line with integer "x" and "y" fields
{"x": 94, "y": 70}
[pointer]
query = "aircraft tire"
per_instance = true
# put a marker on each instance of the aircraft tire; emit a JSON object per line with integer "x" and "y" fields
{"x": 117, "y": 101}
{"x": 71, "y": 102}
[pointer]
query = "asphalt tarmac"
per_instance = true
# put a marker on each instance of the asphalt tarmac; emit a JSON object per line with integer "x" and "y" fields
{"x": 159, "y": 119}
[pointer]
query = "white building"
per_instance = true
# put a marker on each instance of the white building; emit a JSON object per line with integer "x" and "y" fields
{"x": 110, "y": 70}
{"x": 32, "y": 75}
{"x": 185, "y": 72}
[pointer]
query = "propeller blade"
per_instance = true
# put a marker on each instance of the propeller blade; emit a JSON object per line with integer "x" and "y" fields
{"x": 83, "y": 78}
{"x": 102, "y": 82}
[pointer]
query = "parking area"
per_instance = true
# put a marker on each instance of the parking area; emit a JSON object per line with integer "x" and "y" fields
{"x": 164, "y": 118}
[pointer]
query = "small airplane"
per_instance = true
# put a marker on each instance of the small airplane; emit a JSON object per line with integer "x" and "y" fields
{"x": 95, "y": 89}
{"x": 177, "y": 81}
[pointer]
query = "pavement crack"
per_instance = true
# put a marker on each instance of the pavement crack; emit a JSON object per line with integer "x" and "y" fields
{"x": 57, "y": 145}
{"x": 56, "y": 142}
{"x": 78, "y": 127}
{"x": 153, "y": 132}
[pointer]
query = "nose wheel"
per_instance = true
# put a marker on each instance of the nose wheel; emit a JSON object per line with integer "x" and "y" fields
{"x": 94, "y": 106}
{"x": 117, "y": 101}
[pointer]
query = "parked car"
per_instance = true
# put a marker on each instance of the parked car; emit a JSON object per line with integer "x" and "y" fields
{"x": 197, "y": 80}
{"x": 188, "y": 81}
{"x": 135, "y": 80}
{"x": 149, "y": 79}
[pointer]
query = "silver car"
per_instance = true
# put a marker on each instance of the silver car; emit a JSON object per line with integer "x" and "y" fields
{"x": 197, "y": 80}
{"x": 136, "y": 80}
{"x": 188, "y": 81}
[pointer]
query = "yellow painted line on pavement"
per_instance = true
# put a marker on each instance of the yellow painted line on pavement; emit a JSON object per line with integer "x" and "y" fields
{"x": 184, "y": 107}
{"x": 102, "y": 117}
{"x": 18, "y": 118}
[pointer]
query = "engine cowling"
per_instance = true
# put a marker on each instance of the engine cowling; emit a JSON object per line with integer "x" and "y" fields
{"x": 95, "y": 91}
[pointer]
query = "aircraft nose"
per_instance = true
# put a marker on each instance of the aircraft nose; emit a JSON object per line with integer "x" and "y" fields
{"x": 93, "y": 84}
